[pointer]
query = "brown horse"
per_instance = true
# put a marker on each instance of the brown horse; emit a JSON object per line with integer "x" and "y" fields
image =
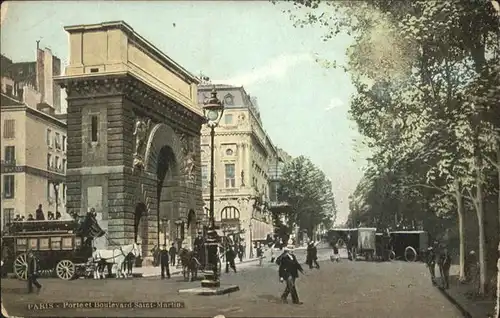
{"x": 189, "y": 264}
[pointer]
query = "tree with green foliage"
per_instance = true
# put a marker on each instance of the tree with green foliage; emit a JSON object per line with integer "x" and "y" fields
{"x": 427, "y": 84}
{"x": 309, "y": 193}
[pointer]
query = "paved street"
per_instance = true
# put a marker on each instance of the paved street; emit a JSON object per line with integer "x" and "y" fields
{"x": 345, "y": 289}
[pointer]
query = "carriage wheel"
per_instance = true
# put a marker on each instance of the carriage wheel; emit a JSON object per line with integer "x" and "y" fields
{"x": 410, "y": 254}
{"x": 65, "y": 269}
{"x": 340, "y": 243}
{"x": 392, "y": 255}
{"x": 21, "y": 266}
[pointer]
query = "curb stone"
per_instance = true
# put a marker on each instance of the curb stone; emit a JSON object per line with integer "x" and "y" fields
{"x": 452, "y": 300}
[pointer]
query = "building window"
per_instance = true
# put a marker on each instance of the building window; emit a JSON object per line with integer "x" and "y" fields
{"x": 63, "y": 165}
{"x": 63, "y": 144}
{"x": 8, "y": 186}
{"x": 10, "y": 155}
{"x": 8, "y": 89}
{"x": 94, "y": 123}
{"x": 64, "y": 191}
{"x": 9, "y": 128}
{"x": 49, "y": 161}
{"x": 204, "y": 176}
{"x": 229, "y": 100}
{"x": 230, "y": 178}
{"x": 49, "y": 190}
{"x": 49, "y": 142}
{"x": 229, "y": 152}
{"x": 57, "y": 141}
{"x": 58, "y": 163}
{"x": 8, "y": 216}
{"x": 228, "y": 119}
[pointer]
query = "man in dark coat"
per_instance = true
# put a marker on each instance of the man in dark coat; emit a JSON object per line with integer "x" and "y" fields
{"x": 312, "y": 255}
{"x": 32, "y": 273}
{"x": 198, "y": 248}
{"x": 289, "y": 269}
{"x": 173, "y": 254}
{"x": 431, "y": 263}
{"x": 444, "y": 266}
{"x": 230, "y": 257}
{"x": 39, "y": 213}
{"x": 164, "y": 262}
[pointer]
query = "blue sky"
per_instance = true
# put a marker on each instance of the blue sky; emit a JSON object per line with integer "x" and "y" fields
{"x": 303, "y": 106}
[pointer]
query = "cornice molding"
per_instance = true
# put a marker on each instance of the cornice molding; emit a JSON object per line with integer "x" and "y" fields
{"x": 128, "y": 86}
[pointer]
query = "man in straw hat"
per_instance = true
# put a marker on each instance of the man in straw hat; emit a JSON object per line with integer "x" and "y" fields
{"x": 289, "y": 269}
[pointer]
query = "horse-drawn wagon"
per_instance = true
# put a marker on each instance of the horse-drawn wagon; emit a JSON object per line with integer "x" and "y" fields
{"x": 60, "y": 247}
{"x": 409, "y": 245}
{"x": 366, "y": 241}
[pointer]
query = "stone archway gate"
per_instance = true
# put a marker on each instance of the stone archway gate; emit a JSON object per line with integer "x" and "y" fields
{"x": 126, "y": 101}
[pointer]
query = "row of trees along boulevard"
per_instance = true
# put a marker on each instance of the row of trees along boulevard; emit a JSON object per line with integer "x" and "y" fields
{"x": 427, "y": 79}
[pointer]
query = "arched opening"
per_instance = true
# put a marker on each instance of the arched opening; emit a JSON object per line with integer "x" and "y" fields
{"x": 140, "y": 211}
{"x": 165, "y": 172}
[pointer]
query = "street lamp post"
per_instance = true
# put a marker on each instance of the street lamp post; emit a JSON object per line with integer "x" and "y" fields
{"x": 213, "y": 109}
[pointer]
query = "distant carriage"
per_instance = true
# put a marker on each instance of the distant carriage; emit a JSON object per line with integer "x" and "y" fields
{"x": 60, "y": 247}
{"x": 366, "y": 242}
{"x": 409, "y": 245}
{"x": 340, "y": 236}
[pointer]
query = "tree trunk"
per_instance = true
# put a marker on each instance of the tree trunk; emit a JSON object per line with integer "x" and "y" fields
{"x": 461, "y": 228}
{"x": 482, "y": 239}
{"x": 498, "y": 283}
{"x": 497, "y": 148}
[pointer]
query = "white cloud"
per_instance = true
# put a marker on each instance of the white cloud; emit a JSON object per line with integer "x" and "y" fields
{"x": 276, "y": 68}
{"x": 334, "y": 103}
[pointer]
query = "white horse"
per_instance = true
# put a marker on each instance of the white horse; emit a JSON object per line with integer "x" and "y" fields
{"x": 116, "y": 257}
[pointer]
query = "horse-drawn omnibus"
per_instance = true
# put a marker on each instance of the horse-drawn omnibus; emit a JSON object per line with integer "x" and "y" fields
{"x": 409, "y": 245}
{"x": 60, "y": 247}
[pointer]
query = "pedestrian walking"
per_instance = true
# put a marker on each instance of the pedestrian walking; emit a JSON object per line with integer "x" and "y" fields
{"x": 164, "y": 262}
{"x": 314, "y": 254}
{"x": 32, "y": 272}
{"x": 173, "y": 254}
{"x": 336, "y": 256}
{"x": 431, "y": 263}
{"x": 444, "y": 267}
{"x": 260, "y": 254}
{"x": 240, "y": 252}
{"x": 289, "y": 269}
{"x": 271, "y": 253}
{"x": 230, "y": 257}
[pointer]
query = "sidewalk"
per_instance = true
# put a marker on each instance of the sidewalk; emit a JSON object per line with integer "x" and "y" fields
{"x": 462, "y": 296}
{"x": 150, "y": 271}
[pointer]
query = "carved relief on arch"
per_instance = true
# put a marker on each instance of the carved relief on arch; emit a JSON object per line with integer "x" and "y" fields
{"x": 188, "y": 157}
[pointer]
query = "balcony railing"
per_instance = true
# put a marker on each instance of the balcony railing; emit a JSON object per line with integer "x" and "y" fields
{"x": 8, "y": 162}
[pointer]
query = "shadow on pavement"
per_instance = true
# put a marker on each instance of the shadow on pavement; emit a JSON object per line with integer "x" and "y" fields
{"x": 270, "y": 298}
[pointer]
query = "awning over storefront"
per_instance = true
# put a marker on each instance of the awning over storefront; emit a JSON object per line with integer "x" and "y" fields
{"x": 260, "y": 230}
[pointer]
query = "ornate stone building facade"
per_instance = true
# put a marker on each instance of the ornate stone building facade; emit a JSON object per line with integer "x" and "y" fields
{"x": 243, "y": 155}
{"x": 133, "y": 137}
